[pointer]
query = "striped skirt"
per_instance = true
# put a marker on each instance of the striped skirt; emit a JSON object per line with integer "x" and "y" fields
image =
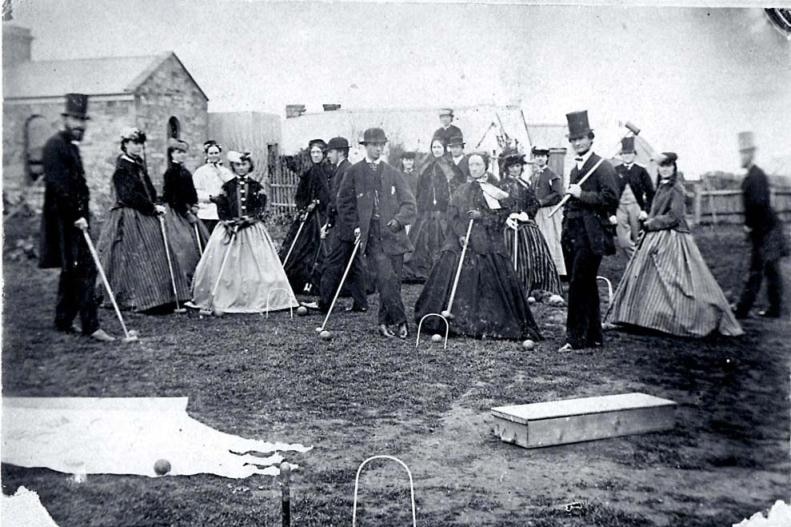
{"x": 253, "y": 279}
{"x": 132, "y": 253}
{"x": 668, "y": 287}
{"x": 187, "y": 240}
{"x": 534, "y": 267}
{"x": 552, "y": 228}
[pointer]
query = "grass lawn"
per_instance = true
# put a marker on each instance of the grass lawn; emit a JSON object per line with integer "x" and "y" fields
{"x": 359, "y": 395}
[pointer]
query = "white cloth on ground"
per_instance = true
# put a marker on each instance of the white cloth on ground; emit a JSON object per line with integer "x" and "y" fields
{"x": 86, "y": 435}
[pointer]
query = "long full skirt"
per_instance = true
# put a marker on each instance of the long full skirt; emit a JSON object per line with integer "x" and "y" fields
{"x": 253, "y": 280}
{"x": 132, "y": 253}
{"x": 306, "y": 257}
{"x": 552, "y": 228}
{"x": 534, "y": 264}
{"x": 489, "y": 302}
{"x": 187, "y": 240}
{"x": 427, "y": 235}
{"x": 668, "y": 287}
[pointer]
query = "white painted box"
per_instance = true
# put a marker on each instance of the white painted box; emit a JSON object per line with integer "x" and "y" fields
{"x": 574, "y": 420}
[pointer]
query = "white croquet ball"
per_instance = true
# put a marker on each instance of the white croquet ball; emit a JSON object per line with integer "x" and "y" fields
{"x": 436, "y": 337}
{"x": 218, "y": 312}
{"x": 528, "y": 344}
{"x": 325, "y": 335}
{"x": 302, "y": 311}
{"x": 531, "y": 300}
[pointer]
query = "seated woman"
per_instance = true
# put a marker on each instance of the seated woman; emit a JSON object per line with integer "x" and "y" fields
{"x": 185, "y": 231}
{"x": 433, "y": 198}
{"x": 534, "y": 264}
{"x": 131, "y": 246}
{"x": 489, "y": 301}
{"x": 667, "y": 285}
{"x": 312, "y": 200}
{"x": 252, "y": 276}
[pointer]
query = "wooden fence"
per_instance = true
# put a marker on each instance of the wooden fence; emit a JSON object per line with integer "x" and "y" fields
{"x": 282, "y": 186}
{"x": 726, "y": 206}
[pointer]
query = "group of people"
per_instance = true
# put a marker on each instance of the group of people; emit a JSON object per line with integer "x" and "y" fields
{"x": 482, "y": 245}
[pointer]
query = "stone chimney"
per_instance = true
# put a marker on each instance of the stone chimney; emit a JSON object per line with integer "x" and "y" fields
{"x": 294, "y": 110}
{"x": 16, "y": 44}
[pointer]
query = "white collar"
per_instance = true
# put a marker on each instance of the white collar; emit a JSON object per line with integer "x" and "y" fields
{"x": 369, "y": 161}
{"x": 584, "y": 157}
{"x": 458, "y": 158}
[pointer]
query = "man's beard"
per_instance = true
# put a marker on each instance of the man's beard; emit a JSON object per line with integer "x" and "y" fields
{"x": 76, "y": 133}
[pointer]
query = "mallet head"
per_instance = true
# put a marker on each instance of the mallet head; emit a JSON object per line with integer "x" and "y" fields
{"x": 632, "y": 127}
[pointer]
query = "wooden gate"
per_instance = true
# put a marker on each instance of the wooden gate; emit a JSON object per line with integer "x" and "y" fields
{"x": 282, "y": 186}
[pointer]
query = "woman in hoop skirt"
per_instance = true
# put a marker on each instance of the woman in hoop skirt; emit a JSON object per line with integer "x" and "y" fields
{"x": 131, "y": 246}
{"x": 489, "y": 301}
{"x": 252, "y": 280}
{"x": 312, "y": 199}
{"x": 186, "y": 232}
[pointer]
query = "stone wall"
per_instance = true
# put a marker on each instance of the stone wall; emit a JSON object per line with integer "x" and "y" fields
{"x": 170, "y": 92}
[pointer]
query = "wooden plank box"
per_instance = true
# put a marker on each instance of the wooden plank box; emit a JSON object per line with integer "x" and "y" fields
{"x": 574, "y": 420}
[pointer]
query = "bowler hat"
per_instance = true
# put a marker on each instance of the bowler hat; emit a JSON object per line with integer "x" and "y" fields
{"x": 578, "y": 124}
{"x": 627, "y": 145}
{"x": 446, "y": 111}
{"x": 456, "y": 140}
{"x": 539, "y": 151}
{"x": 76, "y": 105}
{"x": 374, "y": 135}
{"x": 338, "y": 143}
{"x": 746, "y": 141}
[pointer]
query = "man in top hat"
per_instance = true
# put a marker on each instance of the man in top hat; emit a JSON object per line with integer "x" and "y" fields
{"x": 375, "y": 204}
{"x": 548, "y": 187}
{"x": 587, "y": 233}
{"x": 456, "y": 150}
{"x": 447, "y": 131}
{"x": 765, "y": 232}
{"x": 65, "y": 216}
{"x": 340, "y": 250}
{"x": 636, "y": 193}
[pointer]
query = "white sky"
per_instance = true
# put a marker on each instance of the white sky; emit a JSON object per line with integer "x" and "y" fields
{"x": 691, "y": 78}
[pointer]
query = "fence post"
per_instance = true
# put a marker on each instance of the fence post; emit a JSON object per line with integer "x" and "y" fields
{"x": 698, "y": 202}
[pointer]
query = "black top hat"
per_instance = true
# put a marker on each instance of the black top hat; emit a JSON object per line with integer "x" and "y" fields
{"x": 374, "y": 135}
{"x": 627, "y": 145}
{"x": 578, "y": 124}
{"x": 456, "y": 140}
{"x": 338, "y": 143}
{"x": 322, "y": 144}
{"x": 76, "y": 105}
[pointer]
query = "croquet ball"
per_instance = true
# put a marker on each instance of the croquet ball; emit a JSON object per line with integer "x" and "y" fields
{"x": 133, "y": 333}
{"x": 218, "y": 313}
{"x": 556, "y": 300}
{"x": 302, "y": 311}
{"x": 436, "y": 337}
{"x": 446, "y": 313}
{"x": 162, "y": 467}
{"x": 531, "y": 300}
{"x": 325, "y": 335}
{"x": 528, "y": 344}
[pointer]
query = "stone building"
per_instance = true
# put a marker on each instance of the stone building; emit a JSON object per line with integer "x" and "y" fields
{"x": 156, "y": 93}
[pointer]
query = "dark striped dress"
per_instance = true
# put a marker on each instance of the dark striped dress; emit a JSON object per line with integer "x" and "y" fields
{"x": 131, "y": 246}
{"x": 667, "y": 285}
{"x": 535, "y": 266}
